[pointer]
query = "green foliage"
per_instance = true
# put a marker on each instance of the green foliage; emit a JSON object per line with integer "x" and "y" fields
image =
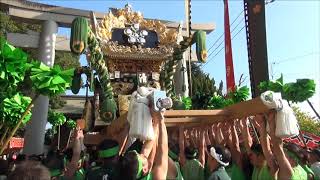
{"x": 275, "y": 86}
{"x": 13, "y": 63}
{"x": 202, "y": 86}
{"x": 50, "y": 81}
{"x": 9, "y": 25}
{"x": 56, "y": 118}
{"x": 178, "y": 105}
{"x": 71, "y": 124}
{"x": 65, "y": 60}
{"x": 11, "y": 109}
{"x": 306, "y": 122}
{"x": 299, "y": 91}
{"x": 45, "y": 80}
{"x": 200, "y": 101}
{"x": 207, "y": 96}
{"x": 240, "y": 94}
{"x": 201, "y": 82}
{"x": 187, "y": 102}
{"x": 219, "y": 102}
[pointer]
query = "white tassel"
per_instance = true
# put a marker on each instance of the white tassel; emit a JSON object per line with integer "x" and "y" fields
{"x": 286, "y": 122}
{"x": 139, "y": 115}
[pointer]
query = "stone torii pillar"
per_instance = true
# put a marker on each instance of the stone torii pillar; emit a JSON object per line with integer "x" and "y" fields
{"x": 35, "y": 130}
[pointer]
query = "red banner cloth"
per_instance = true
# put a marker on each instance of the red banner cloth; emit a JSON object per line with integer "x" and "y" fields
{"x": 311, "y": 140}
{"x": 228, "y": 50}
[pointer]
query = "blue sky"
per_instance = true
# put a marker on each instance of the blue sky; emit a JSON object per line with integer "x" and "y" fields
{"x": 293, "y": 34}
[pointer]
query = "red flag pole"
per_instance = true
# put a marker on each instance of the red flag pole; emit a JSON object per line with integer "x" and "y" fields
{"x": 228, "y": 50}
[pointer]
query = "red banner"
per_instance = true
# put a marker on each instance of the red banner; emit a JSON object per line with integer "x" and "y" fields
{"x": 228, "y": 49}
{"x": 311, "y": 140}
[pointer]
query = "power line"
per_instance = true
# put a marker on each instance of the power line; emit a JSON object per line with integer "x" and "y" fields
{"x": 287, "y": 60}
{"x": 222, "y": 47}
{"x": 223, "y": 41}
{"x": 223, "y": 33}
{"x": 294, "y": 58}
{"x": 266, "y": 3}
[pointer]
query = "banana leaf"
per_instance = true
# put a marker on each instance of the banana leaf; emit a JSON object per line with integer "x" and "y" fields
{"x": 50, "y": 81}
{"x": 11, "y": 109}
{"x": 298, "y": 91}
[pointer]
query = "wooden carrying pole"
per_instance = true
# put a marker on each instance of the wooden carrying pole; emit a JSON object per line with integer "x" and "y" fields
{"x": 189, "y": 118}
{"x": 197, "y": 117}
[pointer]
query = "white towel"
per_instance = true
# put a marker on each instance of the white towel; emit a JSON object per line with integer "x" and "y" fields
{"x": 286, "y": 122}
{"x": 139, "y": 116}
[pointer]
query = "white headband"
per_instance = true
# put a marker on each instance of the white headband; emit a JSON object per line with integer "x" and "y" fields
{"x": 217, "y": 157}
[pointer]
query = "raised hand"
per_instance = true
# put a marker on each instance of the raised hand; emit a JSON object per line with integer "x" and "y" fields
{"x": 157, "y": 116}
{"x": 271, "y": 122}
{"x": 226, "y": 128}
{"x": 260, "y": 123}
{"x": 78, "y": 133}
{"x": 242, "y": 123}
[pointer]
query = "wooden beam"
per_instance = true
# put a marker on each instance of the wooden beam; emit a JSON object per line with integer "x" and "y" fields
{"x": 193, "y": 118}
{"x": 246, "y": 108}
{"x": 198, "y": 113}
{"x": 199, "y": 120}
{"x": 236, "y": 111}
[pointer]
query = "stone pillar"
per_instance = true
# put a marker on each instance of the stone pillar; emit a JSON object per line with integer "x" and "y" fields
{"x": 35, "y": 130}
{"x": 181, "y": 77}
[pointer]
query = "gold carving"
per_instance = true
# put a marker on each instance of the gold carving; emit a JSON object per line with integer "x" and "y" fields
{"x": 134, "y": 66}
{"x": 122, "y": 88}
{"x": 123, "y": 17}
{"x": 114, "y": 51}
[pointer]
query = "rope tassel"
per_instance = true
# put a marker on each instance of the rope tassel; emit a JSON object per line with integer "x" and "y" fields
{"x": 108, "y": 107}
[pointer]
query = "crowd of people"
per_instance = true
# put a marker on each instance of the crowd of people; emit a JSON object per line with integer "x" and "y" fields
{"x": 222, "y": 151}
